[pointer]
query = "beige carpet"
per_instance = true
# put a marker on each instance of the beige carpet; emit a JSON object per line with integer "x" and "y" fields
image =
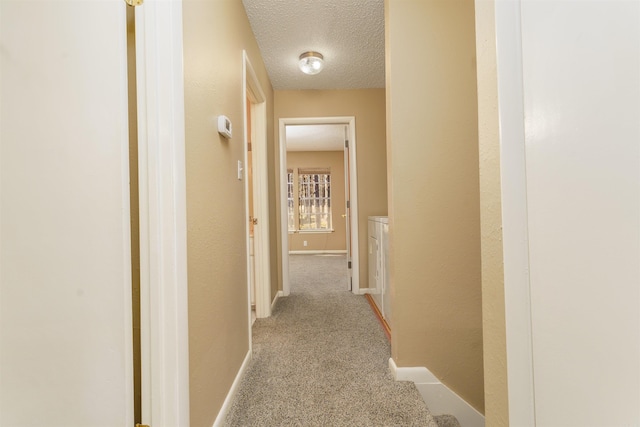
{"x": 322, "y": 360}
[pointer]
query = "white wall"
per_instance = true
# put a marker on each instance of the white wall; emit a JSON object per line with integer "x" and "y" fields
{"x": 581, "y": 80}
{"x": 65, "y": 278}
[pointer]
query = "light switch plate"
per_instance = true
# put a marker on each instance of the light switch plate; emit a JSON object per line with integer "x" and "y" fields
{"x": 240, "y": 170}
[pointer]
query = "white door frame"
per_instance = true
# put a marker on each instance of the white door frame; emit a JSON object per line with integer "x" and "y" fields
{"x": 347, "y": 193}
{"x": 163, "y": 231}
{"x": 514, "y": 214}
{"x": 252, "y": 90}
{"x": 350, "y": 121}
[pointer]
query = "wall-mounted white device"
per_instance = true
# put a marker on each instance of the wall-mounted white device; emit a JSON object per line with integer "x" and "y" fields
{"x": 224, "y": 126}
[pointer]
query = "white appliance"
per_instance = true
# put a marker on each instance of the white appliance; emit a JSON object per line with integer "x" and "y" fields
{"x": 379, "y": 264}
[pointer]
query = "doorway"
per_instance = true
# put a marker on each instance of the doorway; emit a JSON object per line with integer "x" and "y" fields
{"x": 256, "y": 196}
{"x": 300, "y": 228}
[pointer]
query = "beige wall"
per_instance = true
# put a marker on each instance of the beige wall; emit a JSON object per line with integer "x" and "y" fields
{"x": 331, "y": 241}
{"x": 368, "y": 107}
{"x": 434, "y": 191}
{"x": 215, "y": 33}
{"x": 494, "y": 342}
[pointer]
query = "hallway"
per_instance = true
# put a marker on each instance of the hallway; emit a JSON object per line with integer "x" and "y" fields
{"x": 322, "y": 359}
{"x": 501, "y": 139}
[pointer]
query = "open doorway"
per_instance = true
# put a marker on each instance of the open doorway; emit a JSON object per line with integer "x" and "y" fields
{"x": 319, "y": 193}
{"x": 256, "y": 196}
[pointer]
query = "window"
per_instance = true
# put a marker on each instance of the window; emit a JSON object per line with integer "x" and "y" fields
{"x": 312, "y": 189}
{"x": 314, "y": 200}
{"x": 290, "y": 209}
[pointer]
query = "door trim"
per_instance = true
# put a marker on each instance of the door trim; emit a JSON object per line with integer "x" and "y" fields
{"x": 252, "y": 90}
{"x": 350, "y": 121}
{"x": 348, "y": 212}
{"x": 514, "y": 213}
{"x": 163, "y": 230}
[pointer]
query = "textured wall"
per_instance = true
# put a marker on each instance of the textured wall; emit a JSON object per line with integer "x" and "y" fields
{"x": 336, "y": 240}
{"x": 215, "y": 33}
{"x": 368, "y": 107}
{"x": 434, "y": 206}
{"x": 494, "y": 344}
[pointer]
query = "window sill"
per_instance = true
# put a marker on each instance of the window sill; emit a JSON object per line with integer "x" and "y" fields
{"x": 312, "y": 231}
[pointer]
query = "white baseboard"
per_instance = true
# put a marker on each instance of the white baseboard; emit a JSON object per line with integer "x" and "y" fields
{"x": 439, "y": 398}
{"x": 317, "y": 252}
{"x": 275, "y": 300}
{"x": 219, "y": 422}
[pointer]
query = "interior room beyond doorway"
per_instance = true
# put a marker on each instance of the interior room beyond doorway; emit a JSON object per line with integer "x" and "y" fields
{"x": 316, "y": 177}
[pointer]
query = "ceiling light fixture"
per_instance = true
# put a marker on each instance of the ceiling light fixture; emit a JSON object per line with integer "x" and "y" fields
{"x": 311, "y": 62}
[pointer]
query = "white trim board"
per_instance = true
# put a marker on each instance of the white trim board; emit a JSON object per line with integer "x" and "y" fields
{"x": 327, "y": 252}
{"x": 224, "y": 410}
{"x": 439, "y": 398}
{"x": 163, "y": 224}
{"x": 515, "y": 220}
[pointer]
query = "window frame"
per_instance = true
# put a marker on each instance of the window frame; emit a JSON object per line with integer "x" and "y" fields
{"x": 291, "y": 209}
{"x": 311, "y": 186}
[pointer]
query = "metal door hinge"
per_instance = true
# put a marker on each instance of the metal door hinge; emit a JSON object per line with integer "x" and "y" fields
{"x": 346, "y": 143}
{"x": 348, "y": 204}
{"x": 349, "y": 264}
{"x": 135, "y": 3}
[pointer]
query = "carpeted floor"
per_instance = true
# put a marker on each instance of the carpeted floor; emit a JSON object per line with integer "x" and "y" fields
{"x": 322, "y": 358}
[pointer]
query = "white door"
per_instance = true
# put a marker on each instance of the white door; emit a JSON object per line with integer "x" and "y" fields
{"x": 581, "y": 110}
{"x": 65, "y": 296}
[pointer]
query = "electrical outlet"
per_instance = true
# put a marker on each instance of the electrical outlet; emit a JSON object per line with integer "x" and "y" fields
{"x": 304, "y": 243}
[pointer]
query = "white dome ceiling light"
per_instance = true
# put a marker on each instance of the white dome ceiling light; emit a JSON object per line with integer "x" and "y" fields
{"x": 311, "y": 62}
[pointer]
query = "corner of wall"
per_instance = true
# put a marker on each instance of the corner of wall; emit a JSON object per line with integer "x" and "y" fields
{"x": 439, "y": 398}
{"x": 226, "y": 406}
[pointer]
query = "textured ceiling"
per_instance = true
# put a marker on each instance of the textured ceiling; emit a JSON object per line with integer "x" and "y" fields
{"x": 315, "y": 137}
{"x": 348, "y": 33}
